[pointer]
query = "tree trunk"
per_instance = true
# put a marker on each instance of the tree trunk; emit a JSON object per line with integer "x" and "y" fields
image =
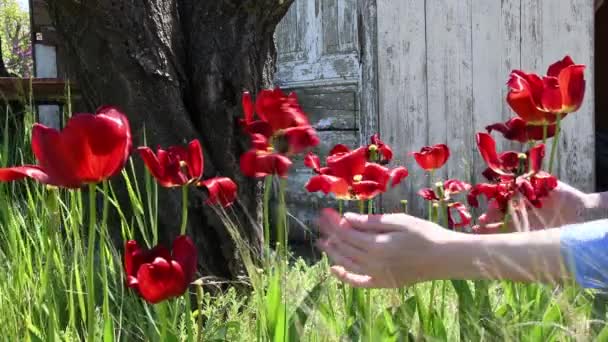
{"x": 177, "y": 68}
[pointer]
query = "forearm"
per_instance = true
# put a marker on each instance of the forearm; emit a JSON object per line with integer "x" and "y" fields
{"x": 527, "y": 257}
{"x": 596, "y": 205}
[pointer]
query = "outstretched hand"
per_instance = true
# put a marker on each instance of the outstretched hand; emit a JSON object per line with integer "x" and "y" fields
{"x": 564, "y": 205}
{"x": 382, "y": 251}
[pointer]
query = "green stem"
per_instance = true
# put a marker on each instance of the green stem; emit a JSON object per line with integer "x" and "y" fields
{"x": 555, "y": 146}
{"x": 282, "y": 237}
{"x": 184, "y": 225}
{"x": 341, "y": 207}
{"x": 91, "y": 265}
{"x": 107, "y": 318}
{"x": 199, "y": 301}
{"x": 266, "y": 208}
{"x": 188, "y": 317}
{"x": 545, "y": 132}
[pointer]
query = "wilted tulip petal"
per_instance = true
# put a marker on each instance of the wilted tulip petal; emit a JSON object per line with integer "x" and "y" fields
{"x": 220, "y": 190}
{"x": 463, "y": 214}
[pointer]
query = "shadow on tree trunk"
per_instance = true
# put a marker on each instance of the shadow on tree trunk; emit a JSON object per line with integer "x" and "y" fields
{"x": 177, "y": 68}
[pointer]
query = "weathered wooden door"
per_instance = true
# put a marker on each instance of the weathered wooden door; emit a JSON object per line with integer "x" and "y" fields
{"x": 443, "y": 65}
{"x": 319, "y": 57}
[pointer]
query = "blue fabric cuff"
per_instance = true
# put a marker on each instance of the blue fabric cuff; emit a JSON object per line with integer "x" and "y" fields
{"x": 584, "y": 248}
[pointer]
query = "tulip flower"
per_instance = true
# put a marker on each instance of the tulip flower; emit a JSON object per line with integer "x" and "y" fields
{"x": 538, "y": 100}
{"x": 90, "y": 149}
{"x": 281, "y": 120}
{"x": 381, "y": 152}
{"x": 514, "y": 173}
{"x": 517, "y": 129}
{"x": 350, "y": 176}
{"x": 443, "y": 196}
{"x": 262, "y": 161}
{"x": 177, "y": 166}
{"x": 220, "y": 191}
{"x": 158, "y": 274}
{"x": 431, "y": 158}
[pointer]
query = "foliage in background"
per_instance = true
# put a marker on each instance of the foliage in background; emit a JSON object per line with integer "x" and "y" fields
{"x": 15, "y": 36}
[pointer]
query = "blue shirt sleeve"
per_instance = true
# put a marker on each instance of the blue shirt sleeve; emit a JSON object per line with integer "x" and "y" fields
{"x": 584, "y": 248}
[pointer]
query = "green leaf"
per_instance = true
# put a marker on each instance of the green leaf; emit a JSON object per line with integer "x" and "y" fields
{"x": 298, "y": 319}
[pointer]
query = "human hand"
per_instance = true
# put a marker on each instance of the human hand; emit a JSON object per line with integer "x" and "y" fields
{"x": 383, "y": 251}
{"x": 564, "y": 205}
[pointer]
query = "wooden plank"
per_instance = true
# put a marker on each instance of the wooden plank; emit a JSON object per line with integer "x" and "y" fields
{"x": 330, "y": 107}
{"x": 402, "y": 78}
{"x": 42, "y": 89}
{"x": 496, "y": 52}
{"x": 331, "y": 40}
{"x": 368, "y": 71}
{"x": 450, "y": 83}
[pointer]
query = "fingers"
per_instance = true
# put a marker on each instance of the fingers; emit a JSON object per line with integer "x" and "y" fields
{"x": 343, "y": 261}
{"x": 377, "y": 223}
{"x": 355, "y": 280}
{"x": 333, "y": 226}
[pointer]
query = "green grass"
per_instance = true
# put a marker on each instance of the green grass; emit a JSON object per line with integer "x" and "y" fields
{"x": 43, "y": 287}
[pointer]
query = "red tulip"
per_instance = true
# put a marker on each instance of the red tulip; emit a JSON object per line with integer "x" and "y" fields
{"x": 383, "y": 152}
{"x": 507, "y": 164}
{"x": 432, "y": 157}
{"x": 156, "y": 274}
{"x": 282, "y": 121}
{"x": 260, "y": 163}
{"x": 449, "y": 187}
{"x": 537, "y": 100}
{"x": 90, "y": 149}
{"x": 428, "y": 194}
{"x": 220, "y": 190}
{"x": 348, "y": 175}
{"x": 176, "y": 166}
{"x": 517, "y": 129}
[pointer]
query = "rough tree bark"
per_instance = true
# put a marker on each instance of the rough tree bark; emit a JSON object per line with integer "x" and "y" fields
{"x": 178, "y": 67}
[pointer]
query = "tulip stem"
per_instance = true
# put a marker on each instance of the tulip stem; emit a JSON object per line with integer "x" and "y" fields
{"x": 545, "y": 132}
{"x": 107, "y": 319}
{"x": 184, "y": 225}
{"x": 555, "y": 146}
{"x": 91, "y": 265}
{"x": 266, "y": 208}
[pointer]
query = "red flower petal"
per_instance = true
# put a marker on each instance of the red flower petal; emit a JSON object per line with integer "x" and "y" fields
{"x": 376, "y": 173}
{"x": 488, "y": 190}
{"x": 135, "y": 257}
{"x": 247, "y": 107}
{"x": 348, "y": 165}
{"x": 328, "y": 184}
{"x": 152, "y": 163}
{"x": 398, "y": 175}
{"x": 312, "y": 161}
{"x": 521, "y": 97}
{"x": 20, "y": 172}
{"x": 432, "y": 157}
{"x": 572, "y": 85}
{"x": 556, "y": 68}
{"x": 428, "y": 194}
{"x": 161, "y": 280}
{"x": 301, "y": 138}
{"x": 366, "y": 190}
{"x": 463, "y": 213}
{"x": 487, "y": 149}
{"x": 221, "y": 190}
{"x": 551, "y": 96}
{"x": 185, "y": 254}
{"x": 195, "y": 160}
{"x": 339, "y": 149}
{"x": 454, "y": 186}
{"x": 279, "y": 110}
{"x": 261, "y": 164}
{"x": 535, "y": 158}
